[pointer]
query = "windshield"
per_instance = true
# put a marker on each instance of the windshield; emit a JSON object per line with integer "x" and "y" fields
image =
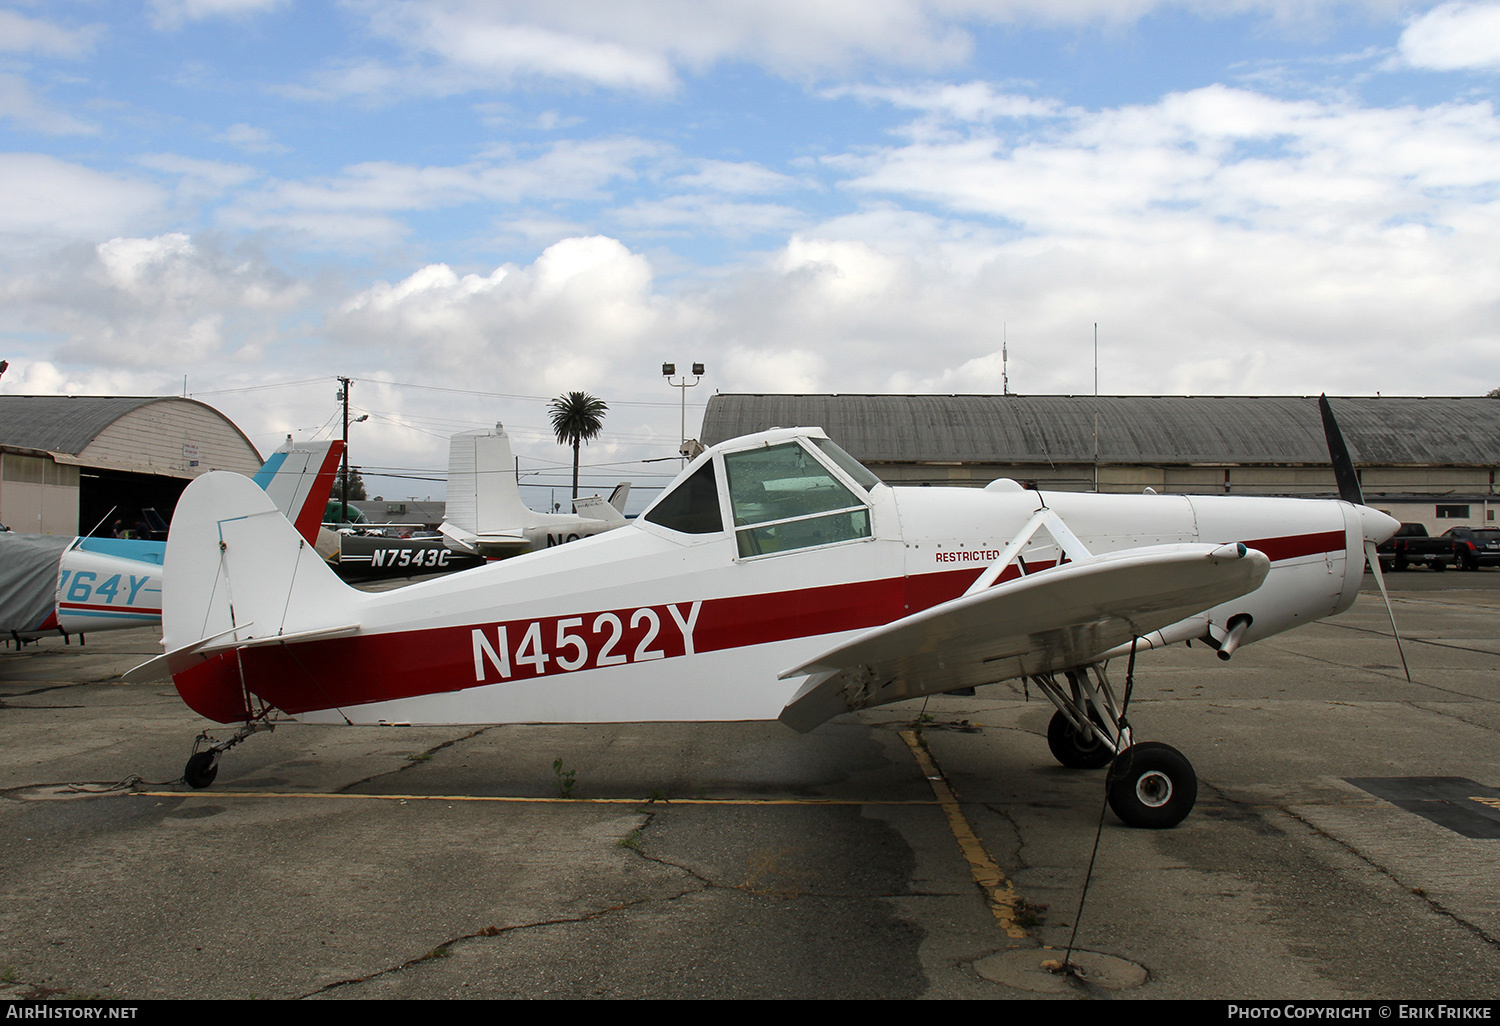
{"x": 783, "y": 499}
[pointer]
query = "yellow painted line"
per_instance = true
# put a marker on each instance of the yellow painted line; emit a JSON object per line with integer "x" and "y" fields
{"x": 516, "y": 799}
{"x": 998, "y": 890}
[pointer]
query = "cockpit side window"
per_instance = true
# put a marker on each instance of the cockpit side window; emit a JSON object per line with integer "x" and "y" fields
{"x": 692, "y": 507}
{"x": 782, "y": 499}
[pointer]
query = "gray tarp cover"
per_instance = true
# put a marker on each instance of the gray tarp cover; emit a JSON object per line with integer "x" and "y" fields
{"x": 28, "y": 579}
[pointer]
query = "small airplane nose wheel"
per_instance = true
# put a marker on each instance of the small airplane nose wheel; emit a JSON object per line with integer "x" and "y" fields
{"x": 1072, "y": 748}
{"x": 201, "y": 770}
{"x": 1152, "y": 785}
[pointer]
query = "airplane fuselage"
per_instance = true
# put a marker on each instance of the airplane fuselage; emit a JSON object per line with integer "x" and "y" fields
{"x": 691, "y": 614}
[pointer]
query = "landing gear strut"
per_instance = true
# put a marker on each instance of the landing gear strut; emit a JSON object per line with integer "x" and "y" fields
{"x": 203, "y": 765}
{"x": 1078, "y": 749}
{"x": 1149, "y": 784}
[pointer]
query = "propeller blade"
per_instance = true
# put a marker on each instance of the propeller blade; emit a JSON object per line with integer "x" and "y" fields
{"x": 1338, "y": 455}
{"x": 1373, "y": 558}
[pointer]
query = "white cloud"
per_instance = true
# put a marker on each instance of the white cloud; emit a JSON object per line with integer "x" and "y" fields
{"x": 583, "y": 304}
{"x": 1454, "y": 36}
{"x": 41, "y": 195}
{"x": 1218, "y": 153}
{"x": 19, "y": 105}
{"x": 45, "y": 377}
{"x": 968, "y": 101}
{"x": 700, "y": 214}
{"x": 646, "y": 45}
{"x": 735, "y": 177}
{"x": 641, "y": 46}
{"x": 199, "y": 179}
{"x": 163, "y": 302}
{"x": 171, "y": 14}
{"x": 361, "y": 205}
{"x": 250, "y": 139}
{"x": 20, "y": 34}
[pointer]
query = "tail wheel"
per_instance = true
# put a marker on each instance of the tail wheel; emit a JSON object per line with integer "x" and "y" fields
{"x": 1072, "y": 748}
{"x": 1152, "y": 785}
{"x": 201, "y": 770}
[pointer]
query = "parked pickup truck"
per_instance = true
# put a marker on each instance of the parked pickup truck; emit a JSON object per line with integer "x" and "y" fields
{"x": 1412, "y": 544}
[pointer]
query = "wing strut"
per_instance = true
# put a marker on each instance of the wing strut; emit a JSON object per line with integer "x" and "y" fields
{"x": 1067, "y": 541}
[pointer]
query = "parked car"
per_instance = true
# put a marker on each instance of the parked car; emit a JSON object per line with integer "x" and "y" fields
{"x": 1410, "y": 545}
{"x": 1474, "y": 547}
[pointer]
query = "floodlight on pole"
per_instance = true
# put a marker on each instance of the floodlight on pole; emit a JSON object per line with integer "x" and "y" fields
{"x": 669, "y": 371}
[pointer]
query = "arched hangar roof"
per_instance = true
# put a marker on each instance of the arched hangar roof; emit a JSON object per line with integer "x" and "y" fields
{"x": 163, "y": 435}
{"x": 1155, "y": 430}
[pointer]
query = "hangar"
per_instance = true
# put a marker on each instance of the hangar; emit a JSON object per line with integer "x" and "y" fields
{"x": 1423, "y": 460}
{"x": 68, "y": 463}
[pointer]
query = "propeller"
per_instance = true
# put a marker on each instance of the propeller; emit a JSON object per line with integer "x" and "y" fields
{"x": 1349, "y": 491}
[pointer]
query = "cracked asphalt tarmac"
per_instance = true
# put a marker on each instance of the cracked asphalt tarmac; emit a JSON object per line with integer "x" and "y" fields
{"x": 744, "y": 860}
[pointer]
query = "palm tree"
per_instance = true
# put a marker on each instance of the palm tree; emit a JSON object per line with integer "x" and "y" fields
{"x": 577, "y": 417}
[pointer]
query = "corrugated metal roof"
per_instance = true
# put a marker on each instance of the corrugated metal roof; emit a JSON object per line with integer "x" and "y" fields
{"x": 62, "y": 423}
{"x": 1380, "y": 431}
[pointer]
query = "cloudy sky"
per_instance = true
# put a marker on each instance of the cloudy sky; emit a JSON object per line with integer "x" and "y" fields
{"x": 469, "y": 206}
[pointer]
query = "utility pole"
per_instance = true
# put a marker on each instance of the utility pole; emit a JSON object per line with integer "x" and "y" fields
{"x": 1096, "y": 406}
{"x": 343, "y": 396}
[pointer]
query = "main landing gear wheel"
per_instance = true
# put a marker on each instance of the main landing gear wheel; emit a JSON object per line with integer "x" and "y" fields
{"x": 201, "y": 770}
{"x": 1152, "y": 785}
{"x": 1072, "y": 748}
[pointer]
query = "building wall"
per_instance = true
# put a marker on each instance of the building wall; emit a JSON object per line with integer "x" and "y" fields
{"x": 177, "y": 438}
{"x": 1437, "y": 517}
{"x": 37, "y": 496}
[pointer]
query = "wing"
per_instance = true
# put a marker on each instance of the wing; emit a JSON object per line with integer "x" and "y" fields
{"x": 1052, "y": 620}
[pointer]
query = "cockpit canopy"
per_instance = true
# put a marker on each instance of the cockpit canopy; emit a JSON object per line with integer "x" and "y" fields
{"x": 792, "y": 490}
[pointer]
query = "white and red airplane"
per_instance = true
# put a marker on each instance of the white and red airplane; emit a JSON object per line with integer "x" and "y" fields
{"x": 776, "y": 578}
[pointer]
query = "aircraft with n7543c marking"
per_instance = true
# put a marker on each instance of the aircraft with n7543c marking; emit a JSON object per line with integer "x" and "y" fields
{"x": 776, "y": 578}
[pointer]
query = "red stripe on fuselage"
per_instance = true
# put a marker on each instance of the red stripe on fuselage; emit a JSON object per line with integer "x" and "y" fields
{"x": 86, "y": 608}
{"x": 408, "y": 664}
{"x": 1293, "y": 546}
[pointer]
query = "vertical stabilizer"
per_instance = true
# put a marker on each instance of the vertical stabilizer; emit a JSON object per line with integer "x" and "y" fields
{"x": 299, "y": 478}
{"x": 483, "y": 497}
{"x": 239, "y": 576}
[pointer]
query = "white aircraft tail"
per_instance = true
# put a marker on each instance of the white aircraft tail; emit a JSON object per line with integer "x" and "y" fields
{"x": 620, "y": 496}
{"x": 483, "y": 497}
{"x": 238, "y": 575}
{"x": 597, "y": 508}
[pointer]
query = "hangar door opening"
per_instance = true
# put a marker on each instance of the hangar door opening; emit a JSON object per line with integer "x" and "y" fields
{"x": 107, "y": 496}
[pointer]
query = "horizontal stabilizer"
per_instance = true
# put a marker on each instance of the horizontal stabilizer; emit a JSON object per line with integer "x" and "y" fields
{"x": 1052, "y": 620}
{"x": 175, "y": 661}
{"x": 597, "y": 508}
